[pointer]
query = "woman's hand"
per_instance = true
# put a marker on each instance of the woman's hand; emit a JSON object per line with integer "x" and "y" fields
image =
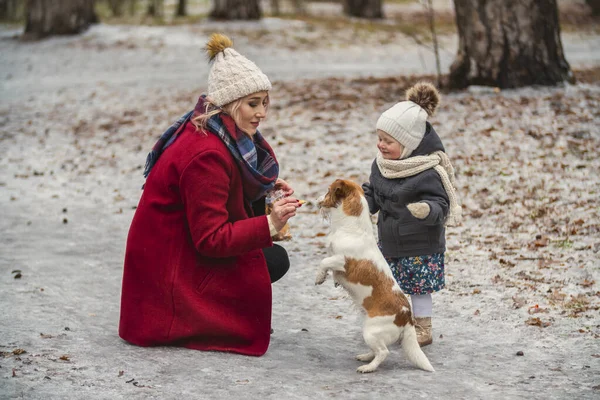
{"x": 280, "y": 184}
{"x": 283, "y": 210}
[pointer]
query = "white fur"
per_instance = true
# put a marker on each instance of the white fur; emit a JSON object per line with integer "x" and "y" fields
{"x": 353, "y": 237}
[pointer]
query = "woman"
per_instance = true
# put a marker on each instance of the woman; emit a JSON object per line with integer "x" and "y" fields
{"x": 199, "y": 260}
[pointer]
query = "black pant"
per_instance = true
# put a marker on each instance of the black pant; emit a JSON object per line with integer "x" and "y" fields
{"x": 278, "y": 262}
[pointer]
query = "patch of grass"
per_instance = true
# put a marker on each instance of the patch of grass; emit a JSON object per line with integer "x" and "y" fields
{"x": 413, "y": 27}
{"x": 564, "y": 244}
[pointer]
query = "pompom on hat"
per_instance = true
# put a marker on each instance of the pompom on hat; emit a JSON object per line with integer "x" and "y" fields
{"x": 405, "y": 121}
{"x": 232, "y": 76}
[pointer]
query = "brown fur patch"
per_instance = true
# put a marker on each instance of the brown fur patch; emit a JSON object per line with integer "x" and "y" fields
{"x": 347, "y": 193}
{"x": 383, "y": 301}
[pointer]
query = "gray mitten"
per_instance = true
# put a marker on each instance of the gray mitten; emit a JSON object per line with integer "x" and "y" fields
{"x": 419, "y": 210}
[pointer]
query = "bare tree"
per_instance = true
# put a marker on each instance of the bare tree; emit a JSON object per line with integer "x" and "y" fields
{"x": 9, "y": 10}
{"x": 594, "y": 6}
{"x": 275, "y": 10}
{"x": 364, "y": 8}
{"x": 116, "y": 7}
{"x": 132, "y": 6}
{"x": 236, "y": 9}
{"x": 299, "y": 6}
{"x": 65, "y": 17}
{"x": 435, "y": 42}
{"x": 181, "y": 8}
{"x": 508, "y": 43}
{"x": 156, "y": 8}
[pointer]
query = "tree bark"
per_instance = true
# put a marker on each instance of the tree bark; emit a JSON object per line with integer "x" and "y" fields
{"x": 66, "y": 17}
{"x": 156, "y": 8}
{"x": 116, "y": 7}
{"x": 8, "y": 10}
{"x": 371, "y": 9}
{"x": 508, "y": 44}
{"x": 275, "y": 7}
{"x": 181, "y": 8}
{"x": 594, "y": 6}
{"x": 132, "y": 6}
{"x": 236, "y": 9}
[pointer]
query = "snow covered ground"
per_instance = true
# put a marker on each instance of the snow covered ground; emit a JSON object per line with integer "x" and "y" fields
{"x": 79, "y": 114}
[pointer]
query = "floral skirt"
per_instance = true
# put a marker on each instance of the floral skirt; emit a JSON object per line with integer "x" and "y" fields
{"x": 420, "y": 274}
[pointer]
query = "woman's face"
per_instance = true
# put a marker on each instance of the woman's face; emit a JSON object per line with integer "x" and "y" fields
{"x": 252, "y": 109}
{"x": 389, "y": 147}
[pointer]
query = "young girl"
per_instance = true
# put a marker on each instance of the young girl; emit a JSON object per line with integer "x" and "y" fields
{"x": 412, "y": 187}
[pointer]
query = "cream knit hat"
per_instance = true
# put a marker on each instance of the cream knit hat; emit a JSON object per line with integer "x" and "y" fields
{"x": 232, "y": 75}
{"x": 405, "y": 121}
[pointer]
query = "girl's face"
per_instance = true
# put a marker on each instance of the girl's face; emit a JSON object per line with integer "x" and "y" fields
{"x": 252, "y": 109}
{"x": 389, "y": 147}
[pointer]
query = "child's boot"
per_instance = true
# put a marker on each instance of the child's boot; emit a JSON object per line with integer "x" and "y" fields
{"x": 423, "y": 328}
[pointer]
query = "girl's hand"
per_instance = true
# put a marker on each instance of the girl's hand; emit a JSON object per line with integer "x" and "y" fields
{"x": 419, "y": 210}
{"x": 283, "y": 185}
{"x": 283, "y": 210}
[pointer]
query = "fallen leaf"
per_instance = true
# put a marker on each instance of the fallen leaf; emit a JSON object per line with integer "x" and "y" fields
{"x": 585, "y": 283}
{"x": 65, "y": 357}
{"x": 534, "y": 321}
{"x": 18, "y": 351}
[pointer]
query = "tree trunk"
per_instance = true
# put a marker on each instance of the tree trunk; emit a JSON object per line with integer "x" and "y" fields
{"x": 275, "y": 7}
{"x": 363, "y": 8}
{"x": 116, "y": 7}
{"x": 508, "y": 44}
{"x": 299, "y": 7}
{"x": 8, "y": 10}
{"x": 132, "y": 6}
{"x": 66, "y": 17}
{"x": 181, "y": 8}
{"x": 594, "y": 6}
{"x": 156, "y": 8}
{"x": 236, "y": 9}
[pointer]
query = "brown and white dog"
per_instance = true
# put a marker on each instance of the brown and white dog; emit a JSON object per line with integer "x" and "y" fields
{"x": 358, "y": 266}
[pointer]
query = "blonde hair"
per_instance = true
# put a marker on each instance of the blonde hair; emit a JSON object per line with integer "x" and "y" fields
{"x": 210, "y": 110}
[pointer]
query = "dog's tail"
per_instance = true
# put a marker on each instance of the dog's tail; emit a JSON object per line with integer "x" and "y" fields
{"x": 413, "y": 351}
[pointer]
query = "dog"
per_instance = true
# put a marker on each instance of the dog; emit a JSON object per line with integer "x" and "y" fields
{"x": 359, "y": 267}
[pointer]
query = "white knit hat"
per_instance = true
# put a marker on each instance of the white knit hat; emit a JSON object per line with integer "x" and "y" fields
{"x": 406, "y": 120}
{"x": 232, "y": 75}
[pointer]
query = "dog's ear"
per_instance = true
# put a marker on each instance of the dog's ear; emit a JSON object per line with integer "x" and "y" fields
{"x": 350, "y": 193}
{"x": 340, "y": 190}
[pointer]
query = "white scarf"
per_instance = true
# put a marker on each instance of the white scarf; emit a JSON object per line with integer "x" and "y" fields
{"x": 392, "y": 169}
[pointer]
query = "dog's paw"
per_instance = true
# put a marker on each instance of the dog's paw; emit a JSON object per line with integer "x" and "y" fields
{"x": 321, "y": 277}
{"x": 367, "y": 357}
{"x": 365, "y": 369}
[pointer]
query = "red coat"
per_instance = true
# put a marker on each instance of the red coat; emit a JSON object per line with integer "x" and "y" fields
{"x": 195, "y": 275}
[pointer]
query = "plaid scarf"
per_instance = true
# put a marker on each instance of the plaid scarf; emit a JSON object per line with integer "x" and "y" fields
{"x": 254, "y": 156}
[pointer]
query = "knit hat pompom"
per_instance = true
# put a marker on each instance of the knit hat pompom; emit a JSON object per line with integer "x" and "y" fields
{"x": 425, "y": 95}
{"x": 216, "y": 44}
